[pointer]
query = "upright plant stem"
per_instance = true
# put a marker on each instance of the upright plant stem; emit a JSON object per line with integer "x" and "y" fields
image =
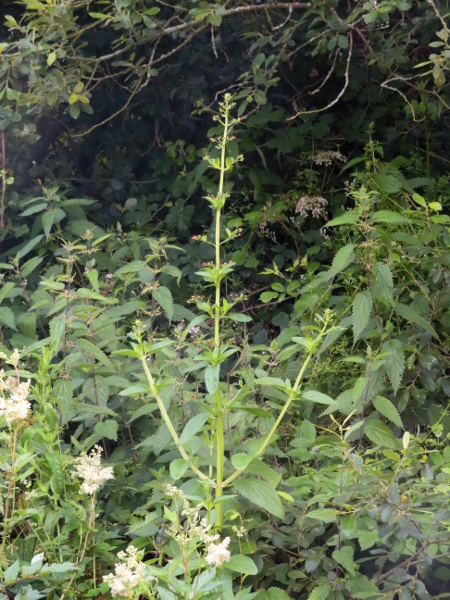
{"x": 219, "y": 416}
{"x": 10, "y": 489}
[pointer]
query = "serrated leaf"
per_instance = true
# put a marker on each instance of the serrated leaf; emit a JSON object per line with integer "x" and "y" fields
{"x": 178, "y": 468}
{"x": 367, "y": 539}
{"x": 27, "y": 324}
{"x": 133, "y": 267}
{"x": 192, "y": 427}
{"x": 394, "y": 362}
{"x": 91, "y": 295}
{"x": 28, "y": 267}
{"x": 29, "y": 246}
{"x": 362, "y": 307}
{"x": 380, "y": 434}
{"x": 344, "y": 257}
{"x": 382, "y": 282}
{"x": 107, "y": 429}
{"x": 92, "y": 350}
{"x": 387, "y": 216}
{"x": 63, "y": 567}
{"x": 361, "y": 587}
{"x": 11, "y": 572}
{"x": 348, "y": 218}
{"x": 163, "y": 296}
{"x": 137, "y": 388}
{"x": 385, "y": 407}
{"x": 320, "y": 592}
{"x": 57, "y": 472}
{"x": 344, "y": 557}
{"x": 242, "y": 564}
{"x": 390, "y": 184}
{"x": 63, "y": 395}
{"x": 7, "y": 317}
{"x": 408, "y": 313}
{"x": 262, "y": 494}
{"x": 57, "y": 328}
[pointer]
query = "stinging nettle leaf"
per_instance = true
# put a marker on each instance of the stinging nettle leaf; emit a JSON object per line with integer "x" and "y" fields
{"x": 362, "y": 307}
{"x": 262, "y": 494}
{"x": 380, "y": 434}
{"x": 385, "y": 407}
{"x": 163, "y": 297}
{"x": 344, "y": 257}
{"x": 394, "y": 362}
{"x": 192, "y": 427}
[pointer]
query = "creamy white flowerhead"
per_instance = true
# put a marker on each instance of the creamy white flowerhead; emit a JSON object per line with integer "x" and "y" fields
{"x": 127, "y": 575}
{"x": 218, "y": 553}
{"x": 14, "y": 405}
{"x": 89, "y": 469}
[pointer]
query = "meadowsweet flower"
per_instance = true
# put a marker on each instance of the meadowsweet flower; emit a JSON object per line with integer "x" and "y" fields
{"x": 14, "y": 405}
{"x": 129, "y": 575}
{"x": 88, "y": 468}
{"x": 218, "y": 553}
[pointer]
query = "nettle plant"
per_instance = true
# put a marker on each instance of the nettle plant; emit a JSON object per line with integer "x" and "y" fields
{"x": 221, "y": 433}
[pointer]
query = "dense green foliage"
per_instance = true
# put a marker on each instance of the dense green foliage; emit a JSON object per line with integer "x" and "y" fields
{"x": 278, "y": 298}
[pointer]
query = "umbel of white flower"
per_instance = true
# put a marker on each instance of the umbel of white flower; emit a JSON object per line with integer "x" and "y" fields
{"x": 88, "y": 468}
{"x": 14, "y": 405}
{"x": 127, "y": 575}
{"x": 218, "y": 553}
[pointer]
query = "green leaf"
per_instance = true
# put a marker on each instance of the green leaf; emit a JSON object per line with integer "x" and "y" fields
{"x": 390, "y": 184}
{"x": 133, "y": 390}
{"x": 28, "y": 247}
{"x": 57, "y": 477}
{"x": 192, "y": 427}
{"x": 361, "y": 587}
{"x": 133, "y": 267}
{"x": 387, "y": 216}
{"x": 344, "y": 557}
{"x": 163, "y": 297}
{"x": 273, "y": 593}
{"x": 239, "y": 318}
{"x": 63, "y": 567}
{"x": 28, "y": 267}
{"x": 262, "y": 494}
{"x": 348, "y": 218}
{"x": 107, "y": 429}
{"x": 63, "y": 395}
{"x": 57, "y": 328}
{"x": 92, "y": 350}
{"x": 27, "y": 324}
{"x": 91, "y": 295}
{"x": 178, "y": 468}
{"x": 382, "y": 282}
{"x": 320, "y": 592}
{"x": 318, "y": 398}
{"x": 388, "y": 410}
{"x": 34, "y": 209}
{"x": 380, "y": 434}
{"x": 7, "y": 317}
{"x": 215, "y": 19}
{"x": 11, "y": 573}
{"x": 242, "y": 564}
{"x": 344, "y": 257}
{"x": 212, "y": 378}
{"x": 240, "y": 461}
{"x": 362, "y": 306}
{"x": 408, "y": 313}
{"x": 394, "y": 362}
{"x": 260, "y": 97}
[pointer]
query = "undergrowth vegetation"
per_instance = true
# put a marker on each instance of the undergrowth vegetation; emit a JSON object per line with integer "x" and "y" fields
{"x": 224, "y": 368}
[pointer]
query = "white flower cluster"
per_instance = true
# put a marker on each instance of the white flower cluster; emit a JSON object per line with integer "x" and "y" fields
{"x": 311, "y": 205}
{"x": 89, "y": 469}
{"x": 14, "y": 405}
{"x": 218, "y": 553}
{"x": 327, "y": 157}
{"x": 127, "y": 575}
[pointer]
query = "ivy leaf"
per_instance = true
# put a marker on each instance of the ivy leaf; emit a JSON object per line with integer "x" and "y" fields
{"x": 380, "y": 434}
{"x": 262, "y": 494}
{"x": 388, "y": 410}
{"x": 362, "y": 306}
{"x": 395, "y": 362}
{"x": 344, "y": 557}
{"x": 382, "y": 282}
{"x": 163, "y": 297}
